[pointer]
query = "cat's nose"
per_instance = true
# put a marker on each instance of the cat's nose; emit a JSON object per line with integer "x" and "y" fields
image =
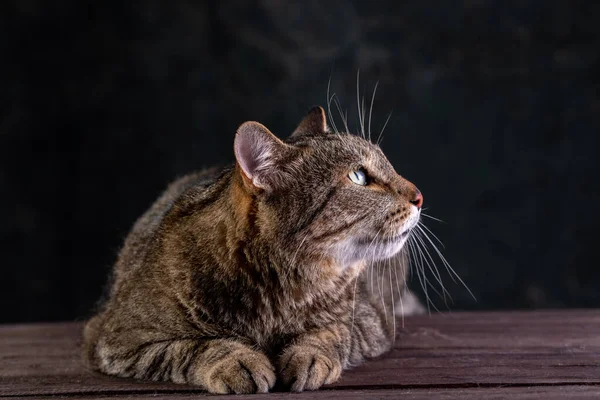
{"x": 417, "y": 199}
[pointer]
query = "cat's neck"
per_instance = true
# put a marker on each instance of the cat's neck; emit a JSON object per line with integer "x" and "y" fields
{"x": 283, "y": 268}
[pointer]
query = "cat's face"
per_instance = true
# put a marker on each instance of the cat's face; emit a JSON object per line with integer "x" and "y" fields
{"x": 327, "y": 194}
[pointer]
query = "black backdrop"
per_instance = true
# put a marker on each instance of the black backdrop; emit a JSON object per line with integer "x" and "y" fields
{"x": 495, "y": 116}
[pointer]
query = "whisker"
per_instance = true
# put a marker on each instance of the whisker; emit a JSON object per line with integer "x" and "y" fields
{"x": 430, "y": 217}
{"x": 370, "y": 275}
{"x": 372, "y": 256}
{"x": 292, "y": 263}
{"x": 380, "y": 137}
{"x": 447, "y": 264}
{"x": 371, "y": 108}
{"x": 415, "y": 263}
{"x": 373, "y": 277}
{"x": 433, "y": 268}
{"x": 380, "y": 282}
{"x": 329, "y": 99}
{"x": 424, "y": 262}
{"x": 429, "y": 258}
{"x": 420, "y": 272}
{"x": 393, "y": 305}
{"x": 381, "y": 294}
{"x": 422, "y": 225}
{"x": 400, "y": 294}
{"x": 360, "y": 121}
{"x": 344, "y": 118}
{"x": 419, "y": 230}
{"x": 354, "y": 302}
{"x": 364, "y": 112}
{"x": 371, "y": 244}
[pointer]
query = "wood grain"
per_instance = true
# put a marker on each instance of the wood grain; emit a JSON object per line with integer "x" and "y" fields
{"x": 545, "y": 354}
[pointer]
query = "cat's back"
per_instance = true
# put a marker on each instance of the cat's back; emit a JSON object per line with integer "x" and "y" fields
{"x": 138, "y": 240}
{"x": 138, "y": 245}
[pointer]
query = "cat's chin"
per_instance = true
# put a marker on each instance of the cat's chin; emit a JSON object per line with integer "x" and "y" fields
{"x": 370, "y": 250}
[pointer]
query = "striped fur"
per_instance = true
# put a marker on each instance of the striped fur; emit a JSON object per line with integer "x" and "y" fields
{"x": 261, "y": 272}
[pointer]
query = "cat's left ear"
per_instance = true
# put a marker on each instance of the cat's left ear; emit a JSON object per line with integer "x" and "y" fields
{"x": 315, "y": 123}
{"x": 259, "y": 153}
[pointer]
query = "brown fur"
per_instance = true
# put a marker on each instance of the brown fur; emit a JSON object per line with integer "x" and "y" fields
{"x": 239, "y": 277}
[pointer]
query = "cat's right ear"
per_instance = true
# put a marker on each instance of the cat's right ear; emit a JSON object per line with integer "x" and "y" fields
{"x": 315, "y": 123}
{"x": 257, "y": 152}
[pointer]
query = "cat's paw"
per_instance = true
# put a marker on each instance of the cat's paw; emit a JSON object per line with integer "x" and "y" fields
{"x": 243, "y": 371}
{"x": 305, "y": 368}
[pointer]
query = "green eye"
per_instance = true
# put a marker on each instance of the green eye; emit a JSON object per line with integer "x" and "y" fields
{"x": 358, "y": 176}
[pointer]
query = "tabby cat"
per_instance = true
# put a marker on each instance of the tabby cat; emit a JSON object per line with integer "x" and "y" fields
{"x": 263, "y": 271}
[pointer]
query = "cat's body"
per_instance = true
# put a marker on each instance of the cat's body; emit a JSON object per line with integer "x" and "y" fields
{"x": 239, "y": 277}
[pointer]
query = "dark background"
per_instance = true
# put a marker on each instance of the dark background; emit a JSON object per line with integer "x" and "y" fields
{"x": 495, "y": 116}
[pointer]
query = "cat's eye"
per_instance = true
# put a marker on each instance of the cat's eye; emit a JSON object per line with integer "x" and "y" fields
{"x": 358, "y": 176}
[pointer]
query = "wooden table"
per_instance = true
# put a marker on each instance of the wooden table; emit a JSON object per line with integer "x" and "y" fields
{"x": 493, "y": 355}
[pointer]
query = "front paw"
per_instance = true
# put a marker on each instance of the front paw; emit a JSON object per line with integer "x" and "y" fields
{"x": 306, "y": 368}
{"x": 242, "y": 371}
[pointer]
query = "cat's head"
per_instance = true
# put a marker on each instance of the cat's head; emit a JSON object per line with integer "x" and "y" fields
{"x": 324, "y": 194}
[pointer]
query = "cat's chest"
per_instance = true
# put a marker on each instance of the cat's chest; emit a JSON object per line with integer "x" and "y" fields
{"x": 268, "y": 328}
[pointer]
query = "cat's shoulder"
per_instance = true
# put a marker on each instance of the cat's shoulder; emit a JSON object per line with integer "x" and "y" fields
{"x": 199, "y": 180}
{"x": 194, "y": 185}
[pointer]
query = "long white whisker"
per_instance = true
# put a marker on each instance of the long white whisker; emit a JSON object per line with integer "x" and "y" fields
{"x": 393, "y": 305}
{"x": 379, "y": 282}
{"x": 354, "y": 303}
{"x": 422, "y": 225}
{"x": 430, "y": 217}
{"x": 432, "y": 267}
{"x": 446, "y": 264}
{"x": 381, "y": 294}
{"x": 371, "y": 243}
{"x": 421, "y": 262}
{"x": 292, "y": 263}
{"x": 422, "y": 233}
{"x": 358, "y": 102}
{"x": 380, "y": 137}
{"x": 364, "y": 113}
{"x": 344, "y": 118}
{"x": 371, "y": 108}
{"x": 415, "y": 263}
{"x": 329, "y": 99}
{"x": 419, "y": 270}
{"x": 372, "y": 256}
{"x": 373, "y": 277}
{"x": 400, "y": 293}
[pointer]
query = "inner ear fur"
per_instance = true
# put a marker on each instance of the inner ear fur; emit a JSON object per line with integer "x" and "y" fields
{"x": 257, "y": 152}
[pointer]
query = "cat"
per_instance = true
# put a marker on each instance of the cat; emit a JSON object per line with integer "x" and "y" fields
{"x": 263, "y": 271}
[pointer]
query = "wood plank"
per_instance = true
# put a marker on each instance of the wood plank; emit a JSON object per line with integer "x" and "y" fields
{"x": 490, "y": 348}
{"x": 450, "y": 352}
{"x": 514, "y": 393}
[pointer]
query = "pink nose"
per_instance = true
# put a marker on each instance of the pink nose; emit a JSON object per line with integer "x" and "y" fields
{"x": 418, "y": 199}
